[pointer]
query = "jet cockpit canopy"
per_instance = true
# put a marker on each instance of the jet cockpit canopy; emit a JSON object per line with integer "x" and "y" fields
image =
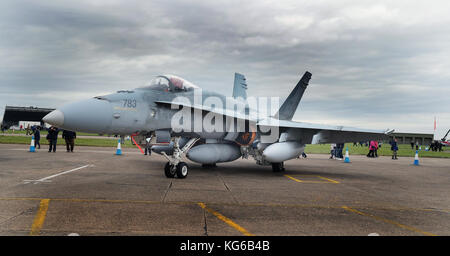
{"x": 171, "y": 83}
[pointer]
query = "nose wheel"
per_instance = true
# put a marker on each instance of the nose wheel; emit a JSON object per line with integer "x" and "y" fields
{"x": 180, "y": 170}
{"x": 169, "y": 170}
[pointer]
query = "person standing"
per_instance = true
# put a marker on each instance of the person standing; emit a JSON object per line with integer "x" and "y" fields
{"x": 394, "y": 148}
{"x": 371, "y": 148}
{"x": 52, "y": 138}
{"x": 69, "y": 137}
{"x": 340, "y": 148}
{"x": 148, "y": 146}
{"x": 37, "y": 136}
{"x": 375, "y": 151}
{"x": 28, "y": 130}
{"x": 332, "y": 149}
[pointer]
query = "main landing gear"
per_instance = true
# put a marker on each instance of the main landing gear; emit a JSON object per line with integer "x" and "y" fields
{"x": 278, "y": 167}
{"x": 175, "y": 167}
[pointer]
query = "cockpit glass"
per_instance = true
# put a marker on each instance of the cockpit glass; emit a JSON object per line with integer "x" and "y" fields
{"x": 158, "y": 83}
{"x": 170, "y": 83}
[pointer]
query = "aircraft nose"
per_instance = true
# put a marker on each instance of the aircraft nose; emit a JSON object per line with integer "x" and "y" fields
{"x": 91, "y": 115}
{"x": 56, "y": 118}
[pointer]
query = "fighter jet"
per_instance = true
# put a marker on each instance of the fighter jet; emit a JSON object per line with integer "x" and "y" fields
{"x": 184, "y": 121}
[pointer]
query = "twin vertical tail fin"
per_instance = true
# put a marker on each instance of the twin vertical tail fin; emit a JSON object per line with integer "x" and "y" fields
{"x": 240, "y": 86}
{"x": 287, "y": 110}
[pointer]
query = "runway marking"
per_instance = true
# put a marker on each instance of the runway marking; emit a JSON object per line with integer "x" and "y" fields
{"x": 47, "y": 179}
{"x": 330, "y": 180}
{"x": 219, "y": 203}
{"x": 292, "y": 178}
{"x": 389, "y": 221}
{"x": 40, "y": 217}
{"x": 326, "y": 180}
{"x": 226, "y": 220}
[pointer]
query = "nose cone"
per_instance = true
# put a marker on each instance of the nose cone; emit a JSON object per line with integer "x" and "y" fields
{"x": 91, "y": 115}
{"x": 56, "y": 118}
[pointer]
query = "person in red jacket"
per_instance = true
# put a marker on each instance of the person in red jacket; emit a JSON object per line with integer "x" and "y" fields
{"x": 375, "y": 150}
{"x": 371, "y": 149}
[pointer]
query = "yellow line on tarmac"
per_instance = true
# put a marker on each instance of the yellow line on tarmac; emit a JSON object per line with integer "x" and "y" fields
{"x": 292, "y": 178}
{"x": 226, "y": 220}
{"x": 330, "y": 180}
{"x": 40, "y": 217}
{"x": 219, "y": 203}
{"x": 389, "y": 221}
{"x": 312, "y": 181}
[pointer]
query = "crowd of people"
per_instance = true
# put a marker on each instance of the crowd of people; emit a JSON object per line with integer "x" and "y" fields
{"x": 52, "y": 137}
{"x": 436, "y": 146}
{"x": 336, "y": 151}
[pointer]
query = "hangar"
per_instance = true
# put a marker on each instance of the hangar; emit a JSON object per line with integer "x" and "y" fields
{"x": 407, "y": 138}
{"x": 13, "y": 115}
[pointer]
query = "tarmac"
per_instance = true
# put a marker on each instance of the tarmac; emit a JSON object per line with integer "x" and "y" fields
{"x": 94, "y": 192}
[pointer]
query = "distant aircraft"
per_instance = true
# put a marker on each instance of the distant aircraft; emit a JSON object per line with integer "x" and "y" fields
{"x": 183, "y": 120}
{"x": 444, "y": 140}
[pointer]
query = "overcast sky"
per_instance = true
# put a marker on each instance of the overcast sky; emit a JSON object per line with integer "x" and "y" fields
{"x": 375, "y": 64}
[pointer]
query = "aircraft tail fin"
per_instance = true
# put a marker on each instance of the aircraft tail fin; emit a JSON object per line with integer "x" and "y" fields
{"x": 240, "y": 86}
{"x": 287, "y": 110}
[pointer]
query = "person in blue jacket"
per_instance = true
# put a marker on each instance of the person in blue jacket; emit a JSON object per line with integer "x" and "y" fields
{"x": 37, "y": 136}
{"x": 52, "y": 138}
{"x": 394, "y": 148}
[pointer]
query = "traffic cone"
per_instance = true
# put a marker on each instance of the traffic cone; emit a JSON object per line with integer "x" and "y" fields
{"x": 119, "y": 149}
{"x": 347, "y": 158}
{"x": 416, "y": 158}
{"x": 32, "y": 147}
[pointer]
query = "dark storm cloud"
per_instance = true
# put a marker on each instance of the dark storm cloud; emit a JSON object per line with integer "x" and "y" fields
{"x": 377, "y": 63}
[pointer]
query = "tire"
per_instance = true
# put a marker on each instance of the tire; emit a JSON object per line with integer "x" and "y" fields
{"x": 277, "y": 167}
{"x": 168, "y": 170}
{"x": 182, "y": 170}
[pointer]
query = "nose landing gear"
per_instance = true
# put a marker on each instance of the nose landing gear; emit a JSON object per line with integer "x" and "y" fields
{"x": 175, "y": 166}
{"x": 180, "y": 170}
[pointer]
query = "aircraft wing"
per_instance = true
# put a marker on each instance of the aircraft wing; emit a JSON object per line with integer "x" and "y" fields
{"x": 310, "y": 133}
{"x": 307, "y": 133}
{"x": 225, "y": 112}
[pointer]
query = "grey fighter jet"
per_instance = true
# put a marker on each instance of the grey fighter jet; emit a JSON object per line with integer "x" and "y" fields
{"x": 184, "y": 121}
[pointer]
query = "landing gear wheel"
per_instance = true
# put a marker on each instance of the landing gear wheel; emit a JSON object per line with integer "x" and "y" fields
{"x": 278, "y": 167}
{"x": 169, "y": 170}
{"x": 182, "y": 170}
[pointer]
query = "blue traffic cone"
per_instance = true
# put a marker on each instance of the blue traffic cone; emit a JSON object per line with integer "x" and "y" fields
{"x": 119, "y": 149}
{"x": 347, "y": 158}
{"x": 416, "y": 158}
{"x": 32, "y": 147}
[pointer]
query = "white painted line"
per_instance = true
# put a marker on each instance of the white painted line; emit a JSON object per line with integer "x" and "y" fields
{"x": 46, "y": 179}
{"x": 73, "y": 234}
{"x": 373, "y": 234}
